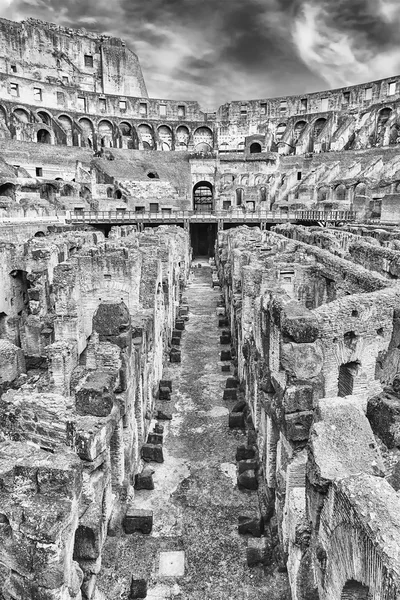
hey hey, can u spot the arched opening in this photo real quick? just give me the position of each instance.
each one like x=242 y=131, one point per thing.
x=165 y=135
x=39 y=234
x=153 y=175
x=67 y=190
x=43 y=136
x=44 y=117
x=298 y=129
x=340 y=193
x=203 y=140
x=347 y=375
x=384 y=116
x=48 y=191
x=182 y=138
x=87 y=132
x=255 y=148
x=354 y=590
x=318 y=127
x=360 y=190
x=239 y=196
x=126 y=129
x=21 y=115
x=203 y=196
x=146 y=134
x=105 y=132
x=109 y=192
x=7 y=189
x=263 y=194
x=322 y=194
x=117 y=194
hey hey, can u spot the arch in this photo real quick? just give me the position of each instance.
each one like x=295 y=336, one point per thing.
x=318 y=127
x=44 y=117
x=298 y=129
x=87 y=131
x=7 y=189
x=22 y=115
x=67 y=190
x=43 y=136
x=182 y=138
x=255 y=148
x=203 y=196
x=117 y=194
x=105 y=133
x=263 y=194
x=244 y=180
x=239 y=196
x=360 y=190
x=340 y=193
x=280 y=131
x=354 y=590
x=125 y=128
x=146 y=134
x=384 y=115
x=165 y=135
x=65 y=122
x=109 y=192
x=203 y=139
x=323 y=193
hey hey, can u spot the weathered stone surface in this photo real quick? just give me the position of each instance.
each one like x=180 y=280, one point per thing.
x=251 y=525
x=230 y=394
x=94 y=394
x=248 y=480
x=245 y=452
x=247 y=465
x=138 y=589
x=138 y=520
x=152 y=452
x=255 y=552
x=164 y=416
x=225 y=355
x=164 y=393
x=236 y=420
x=144 y=480
x=383 y=413
x=155 y=438
x=175 y=355
x=231 y=382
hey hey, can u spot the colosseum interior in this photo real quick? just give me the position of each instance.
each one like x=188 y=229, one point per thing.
x=199 y=335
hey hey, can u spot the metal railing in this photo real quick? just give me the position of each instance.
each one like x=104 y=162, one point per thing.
x=241 y=216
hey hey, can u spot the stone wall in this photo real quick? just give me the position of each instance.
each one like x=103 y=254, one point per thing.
x=315 y=337
x=82 y=348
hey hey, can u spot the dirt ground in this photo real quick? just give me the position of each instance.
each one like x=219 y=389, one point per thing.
x=196 y=502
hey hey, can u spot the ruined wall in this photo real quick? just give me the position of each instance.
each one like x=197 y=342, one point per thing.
x=86 y=326
x=316 y=339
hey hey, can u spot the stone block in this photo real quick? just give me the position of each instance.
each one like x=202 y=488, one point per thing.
x=177 y=333
x=298 y=398
x=225 y=339
x=225 y=355
x=220 y=311
x=158 y=428
x=245 y=452
x=250 y=524
x=175 y=341
x=223 y=323
x=298 y=425
x=179 y=324
x=255 y=552
x=137 y=519
x=249 y=464
x=138 y=589
x=164 y=416
x=225 y=368
x=236 y=420
x=155 y=439
x=383 y=413
x=252 y=438
x=164 y=393
x=230 y=394
x=152 y=452
x=240 y=406
x=247 y=480
x=232 y=382
x=175 y=355
x=165 y=383
x=94 y=394
x=144 y=480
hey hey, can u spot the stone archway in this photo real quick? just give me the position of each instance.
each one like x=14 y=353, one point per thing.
x=203 y=196
x=354 y=590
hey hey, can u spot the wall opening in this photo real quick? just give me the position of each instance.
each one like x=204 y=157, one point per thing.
x=203 y=236
x=353 y=590
x=43 y=136
x=255 y=148
x=347 y=375
x=203 y=196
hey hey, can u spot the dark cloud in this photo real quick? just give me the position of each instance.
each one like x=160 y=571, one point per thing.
x=216 y=50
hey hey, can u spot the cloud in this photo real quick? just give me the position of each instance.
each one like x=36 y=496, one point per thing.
x=349 y=42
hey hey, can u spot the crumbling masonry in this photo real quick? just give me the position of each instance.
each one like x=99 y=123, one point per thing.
x=92 y=332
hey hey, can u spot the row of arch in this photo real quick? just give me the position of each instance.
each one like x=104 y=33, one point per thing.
x=340 y=192
x=110 y=134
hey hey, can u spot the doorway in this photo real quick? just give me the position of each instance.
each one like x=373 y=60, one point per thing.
x=203 y=236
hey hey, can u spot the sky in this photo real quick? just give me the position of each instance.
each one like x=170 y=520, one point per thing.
x=215 y=51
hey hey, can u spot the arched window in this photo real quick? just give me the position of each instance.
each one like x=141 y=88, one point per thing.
x=255 y=148
x=7 y=189
x=165 y=135
x=203 y=140
x=360 y=190
x=65 y=123
x=146 y=133
x=384 y=116
x=44 y=117
x=43 y=136
x=87 y=132
x=203 y=196
x=340 y=193
x=318 y=127
x=263 y=194
x=298 y=129
x=323 y=194
x=182 y=138
x=105 y=132
x=239 y=196
x=126 y=129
